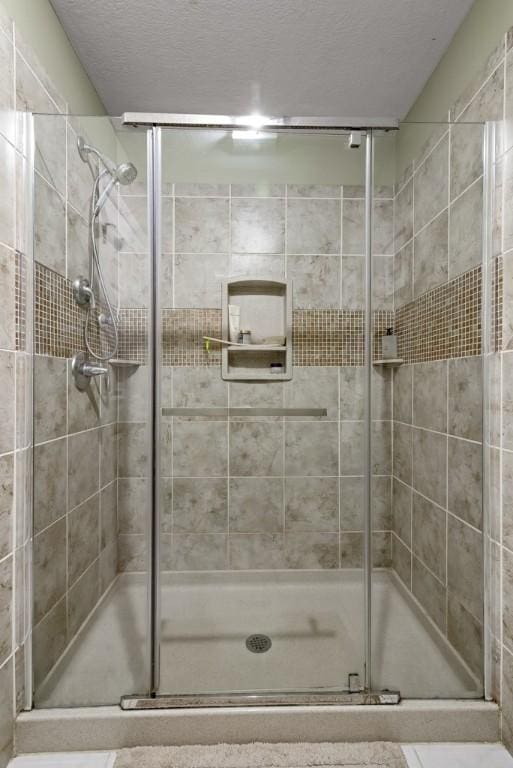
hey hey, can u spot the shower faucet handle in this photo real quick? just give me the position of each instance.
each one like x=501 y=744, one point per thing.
x=83 y=293
x=83 y=370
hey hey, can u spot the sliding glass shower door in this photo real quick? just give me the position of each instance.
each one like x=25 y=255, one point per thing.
x=261 y=323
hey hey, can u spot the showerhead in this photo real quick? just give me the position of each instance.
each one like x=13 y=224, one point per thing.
x=125 y=173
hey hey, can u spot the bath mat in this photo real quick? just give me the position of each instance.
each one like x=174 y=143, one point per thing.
x=373 y=754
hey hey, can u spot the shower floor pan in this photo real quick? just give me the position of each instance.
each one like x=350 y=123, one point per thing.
x=313 y=620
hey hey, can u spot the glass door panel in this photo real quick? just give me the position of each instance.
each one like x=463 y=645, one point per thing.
x=262 y=469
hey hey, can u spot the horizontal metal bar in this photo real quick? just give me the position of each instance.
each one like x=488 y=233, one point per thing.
x=244 y=411
x=177 y=120
x=261 y=699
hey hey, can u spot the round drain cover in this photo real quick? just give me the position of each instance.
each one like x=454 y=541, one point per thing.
x=258 y=643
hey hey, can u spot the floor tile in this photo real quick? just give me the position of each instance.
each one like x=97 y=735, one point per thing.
x=65 y=760
x=457 y=756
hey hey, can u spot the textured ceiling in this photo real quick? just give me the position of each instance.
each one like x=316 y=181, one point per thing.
x=365 y=58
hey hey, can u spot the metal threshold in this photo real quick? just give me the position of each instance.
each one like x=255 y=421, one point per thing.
x=262 y=699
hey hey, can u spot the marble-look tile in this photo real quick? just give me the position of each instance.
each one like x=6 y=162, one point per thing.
x=200 y=449
x=23 y=491
x=27 y=53
x=49 y=553
x=108 y=566
x=7 y=180
x=352 y=503
x=403 y=393
x=465 y=634
x=199 y=388
x=167 y=225
x=403 y=276
x=507 y=698
x=508 y=103
x=50 y=149
x=49 y=641
x=133 y=224
x=83 y=538
x=133 y=502
x=313 y=226
x=198 y=279
x=166 y=283
x=381 y=549
x=383 y=282
x=402 y=510
x=431 y=185
x=7 y=101
x=200 y=505
x=351 y=447
x=383 y=227
x=77 y=245
x=431 y=256
x=466 y=157
x=351 y=393
x=465 y=481
x=381 y=393
x=108 y=454
x=313 y=190
x=465 y=397
x=132 y=553
x=256 y=505
x=401 y=561
x=507 y=598
x=134 y=280
x=381 y=447
x=429 y=465
x=49 y=397
x=353 y=227
x=465 y=231
x=507 y=400
x=133 y=450
x=312 y=386
x=82 y=598
x=353 y=281
x=199 y=552
x=473 y=84
x=403 y=447
x=202 y=225
x=430 y=395
x=256 y=394
x=255 y=551
x=257 y=189
x=507 y=296
x=6 y=607
x=49 y=227
x=7 y=505
x=7 y=298
x=201 y=189
x=311 y=503
x=311 y=448
x=83 y=466
x=83 y=406
x=7 y=415
x=79 y=177
x=428 y=540
x=403 y=212
x=465 y=565
x=258 y=225
x=50 y=482
x=132 y=393
x=315 y=281
x=270 y=266
x=503 y=471
x=381 y=500
x=256 y=449
x=430 y=593
x=351 y=550
x=311 y=550
x=108 y=515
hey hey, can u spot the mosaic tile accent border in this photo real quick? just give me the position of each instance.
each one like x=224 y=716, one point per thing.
x=442 y=323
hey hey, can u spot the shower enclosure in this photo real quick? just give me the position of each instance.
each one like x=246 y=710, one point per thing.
x=298 y=520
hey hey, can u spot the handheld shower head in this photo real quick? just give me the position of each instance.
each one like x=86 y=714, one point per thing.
x=125 y=173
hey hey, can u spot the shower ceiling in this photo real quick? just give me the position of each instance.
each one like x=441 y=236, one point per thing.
x=277 y=57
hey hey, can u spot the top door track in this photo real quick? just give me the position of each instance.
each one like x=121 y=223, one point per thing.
x=175 y=120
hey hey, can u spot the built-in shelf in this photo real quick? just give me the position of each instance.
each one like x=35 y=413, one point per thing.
x=126 y=363
x=266 y=311
x=391 y=361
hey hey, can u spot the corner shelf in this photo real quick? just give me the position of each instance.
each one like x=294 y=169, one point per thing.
x=265 y=309
x=393 y=361
x=124 y=363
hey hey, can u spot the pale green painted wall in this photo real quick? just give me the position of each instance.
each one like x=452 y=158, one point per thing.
x=42 y=31
x=478 y=35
